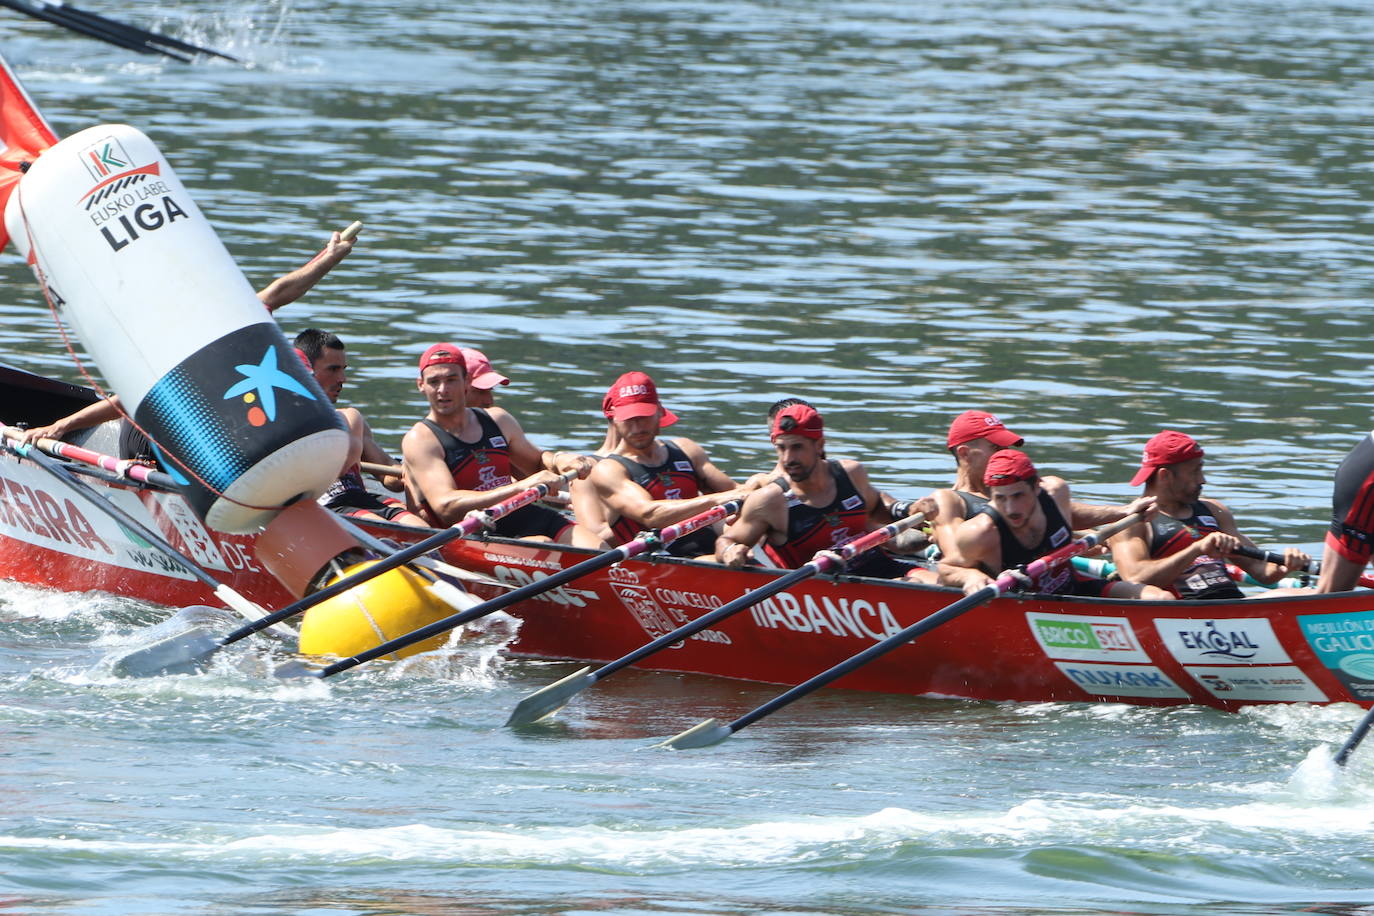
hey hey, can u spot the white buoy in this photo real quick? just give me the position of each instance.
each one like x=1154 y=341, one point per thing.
x=175 y=327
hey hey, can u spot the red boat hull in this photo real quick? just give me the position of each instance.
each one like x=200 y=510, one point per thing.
x=1222 y=654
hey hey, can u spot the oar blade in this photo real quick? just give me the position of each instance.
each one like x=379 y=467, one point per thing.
x=703 y=734
x=298 y=668
x=181 y=653
x=548 y=700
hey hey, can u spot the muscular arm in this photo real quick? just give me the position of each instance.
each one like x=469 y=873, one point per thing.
x=764 y=513
x=85 y=418
x=526 y=456
x=977 y=548
x=375 y=454
x=626 y=498
x=713 y=479
x=290 y=287
x=428 y=478
x=950 y=509
x=357 y=430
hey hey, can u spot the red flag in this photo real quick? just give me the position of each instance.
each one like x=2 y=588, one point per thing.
x=23 y=135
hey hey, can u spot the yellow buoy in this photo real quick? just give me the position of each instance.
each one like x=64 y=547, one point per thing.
x=393 y=604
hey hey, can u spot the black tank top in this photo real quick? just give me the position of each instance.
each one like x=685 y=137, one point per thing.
x=812 y=528
x=1014 y=553
x=480 y=465
x=972 y=502
x=674 y=478
x=1207 y=576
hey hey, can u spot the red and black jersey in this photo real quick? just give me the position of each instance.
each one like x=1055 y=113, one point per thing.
x=480 y=465
x=812 y=528
x=1206 y=577
x=675 y=478
x=1352 y=505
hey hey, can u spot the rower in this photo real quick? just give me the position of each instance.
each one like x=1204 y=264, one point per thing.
x=132 y=443
x=349 y=496
x=482 y=378
x=974 y=437
x=831 y=501
x=1350 y=540
x=647 y=482
x=1025 y=518
x=460 y=458
x=1186 y=545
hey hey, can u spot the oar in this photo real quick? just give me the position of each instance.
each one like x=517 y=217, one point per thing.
x=1355 y=738
x=548 y=700
x=189 y=652
x=112 y=31
x=129 y=469
x=644 y=541
x=710 y=731
x=223 y=592
x=386 y=470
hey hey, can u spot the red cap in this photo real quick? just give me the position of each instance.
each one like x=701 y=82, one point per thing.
x=440 y=354
x=1165 y=448
x=635 y=395
x=1007 y=467
x=797 y=420
x=974 y=424
x=480 y=373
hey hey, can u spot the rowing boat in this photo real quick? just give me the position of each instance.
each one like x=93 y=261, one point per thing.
x=1223 y=654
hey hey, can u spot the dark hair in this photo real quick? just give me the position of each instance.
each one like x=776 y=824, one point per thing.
x=783 y=405
x=312 y=342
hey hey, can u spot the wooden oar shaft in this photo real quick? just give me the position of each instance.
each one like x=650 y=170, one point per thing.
x=386 y=470
x=645 y=541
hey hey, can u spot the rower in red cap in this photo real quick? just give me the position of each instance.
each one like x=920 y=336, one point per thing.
x=831 y=501
x=973 y=438
x=647 y=482
x=460 y=458
x=482 y=378
x=1025 y=518
x=1185 y=547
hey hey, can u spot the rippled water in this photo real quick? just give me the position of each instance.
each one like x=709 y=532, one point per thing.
x=1095 y=219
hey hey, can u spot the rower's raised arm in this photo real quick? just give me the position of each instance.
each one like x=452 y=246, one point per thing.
x=291 y=286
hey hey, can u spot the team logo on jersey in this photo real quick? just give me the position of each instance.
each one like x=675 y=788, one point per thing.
x=260 y=383
x=682 y=465
x=498 y=441
x=852 y=502
x=480 y=456
x=1059 y=537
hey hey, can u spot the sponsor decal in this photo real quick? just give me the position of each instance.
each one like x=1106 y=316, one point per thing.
x=195 y=539
x=837 y=617
x=1059 y=538
x=1121 y=680
x=1102 y=639
x=1276 y=684
x=259 y=384
x=853 y=502
x=105 y=157
x=636 y=598
x=1241 y=641
x=498 y=441
x=683 y=466
x=36 y=510
x=1345 y=644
